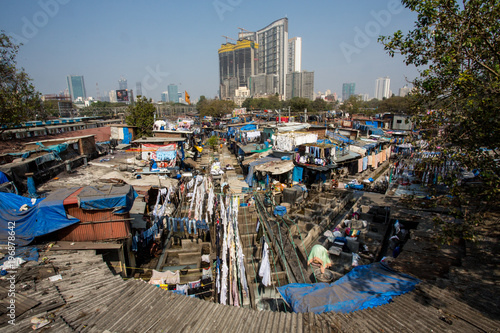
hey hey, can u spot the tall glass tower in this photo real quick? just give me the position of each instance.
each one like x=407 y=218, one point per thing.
x=173 y=93
x=76 y=87
x=348 y=90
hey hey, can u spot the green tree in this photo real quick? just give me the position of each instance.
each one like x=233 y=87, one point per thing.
x=298 y=104
x=202 y=104
x=142 y=116
x=19 y=101
x=395 y=104
x=353 y=104
x=216 y=108
x=457 y=46
x=320 y=104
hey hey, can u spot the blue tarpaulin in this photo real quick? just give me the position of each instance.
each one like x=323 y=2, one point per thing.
x=119 y=198
x=342 y=138
x=364 y=287
x=3 y=178
x=249 y=127
x=27 y=253
x=43 y=216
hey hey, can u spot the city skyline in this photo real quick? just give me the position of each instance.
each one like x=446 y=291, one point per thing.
x=59 y=40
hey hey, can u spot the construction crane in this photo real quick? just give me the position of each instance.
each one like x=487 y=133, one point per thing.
x=226 y=37
x=245 y=30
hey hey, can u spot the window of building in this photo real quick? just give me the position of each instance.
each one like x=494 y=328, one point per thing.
x=399 y=121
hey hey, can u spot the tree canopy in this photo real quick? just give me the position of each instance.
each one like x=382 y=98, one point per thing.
x=214 y=107
x=142 y=116
x=19 y=101
x=456 y=45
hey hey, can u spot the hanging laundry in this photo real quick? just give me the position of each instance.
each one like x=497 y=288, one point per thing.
x=265 y=267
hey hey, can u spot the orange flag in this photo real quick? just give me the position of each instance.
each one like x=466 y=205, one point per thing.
x=186 y=95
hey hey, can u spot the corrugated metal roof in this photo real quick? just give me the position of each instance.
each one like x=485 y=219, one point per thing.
x=95 y=300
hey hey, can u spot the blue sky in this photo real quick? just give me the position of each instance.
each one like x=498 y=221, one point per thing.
x=163 y=42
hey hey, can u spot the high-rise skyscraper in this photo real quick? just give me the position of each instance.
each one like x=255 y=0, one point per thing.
x=237 y=62
x=76 y=87
x=138 y=88
x=382 y=88
x=173 y=93
x=122 y=83
x=300 y=84
x=295 y=54
x=348 y=89
x=269 y=57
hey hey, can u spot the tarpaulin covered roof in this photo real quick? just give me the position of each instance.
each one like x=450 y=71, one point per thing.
x=43 y=216
x=249 y=127
x=364 y=287
x=252 y=165
x=119 y=197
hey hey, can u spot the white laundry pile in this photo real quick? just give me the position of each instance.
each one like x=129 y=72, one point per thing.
x=251 y=135
x=288 y=141
x=216 y=169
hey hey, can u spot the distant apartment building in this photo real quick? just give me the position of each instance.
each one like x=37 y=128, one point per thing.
x=112 y=96
x=173 y=93
x=259 y=61
x=240 y=95
x=122 y=83
x=164 y=96
x=382 y=88
x=348 y=89
x=138 y=88
x=76 y=87
x=263 y=85
x=295 y=54
x=300 y=84
x=237 y=62
x=404 y=91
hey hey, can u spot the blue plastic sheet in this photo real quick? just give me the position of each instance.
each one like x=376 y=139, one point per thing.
x=249 y=127
x=297 y=174
x=364 y=287
x=118 y=198
x=3 y=178
x=43 y=216
x=27 y=253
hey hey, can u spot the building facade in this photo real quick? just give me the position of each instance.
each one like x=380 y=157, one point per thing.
x=404 y=91
x=237 y=62
x=300 y=84
x=348 y=89
x=173 y=93
x=122 y=83
x=164 y=96
x=263 y=85
x=382 y=88
x=138 y=88
x=255 y=55
x=294 y=54
x=76 y=87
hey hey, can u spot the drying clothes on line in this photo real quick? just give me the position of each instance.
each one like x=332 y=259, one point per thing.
x=167 y=277
x=206 y=273
x=182 y=288
x=202 y=225
x=252 y=135
x=195 y=284
x=288 y=141
x=265 y=267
